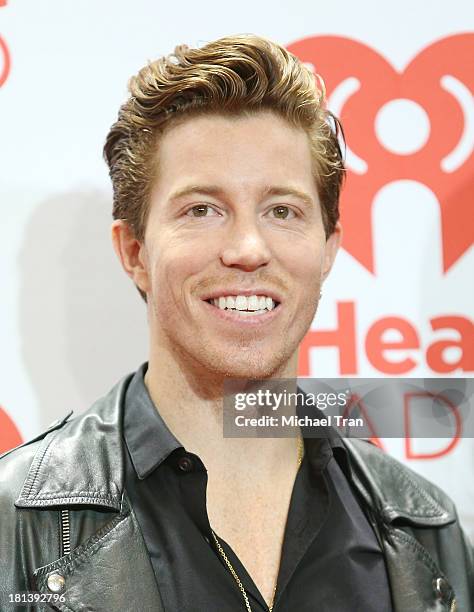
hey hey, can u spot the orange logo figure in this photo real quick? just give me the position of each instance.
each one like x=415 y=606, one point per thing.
x=9 y=434
x=4 y=55
x=437 y=83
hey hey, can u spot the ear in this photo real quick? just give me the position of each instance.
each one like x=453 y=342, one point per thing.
x=330 y=250
x=131 y=253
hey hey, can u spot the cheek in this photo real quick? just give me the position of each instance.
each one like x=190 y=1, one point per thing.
x=173 y=271
x=304 y=261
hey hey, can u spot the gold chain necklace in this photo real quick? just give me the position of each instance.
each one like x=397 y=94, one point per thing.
x=229 y=564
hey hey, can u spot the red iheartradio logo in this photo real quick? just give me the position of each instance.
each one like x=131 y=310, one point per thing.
x=439 y=82
x=9 y=434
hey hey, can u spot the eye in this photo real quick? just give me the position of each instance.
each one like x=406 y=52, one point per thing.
x=282 y=212
x=200 y=210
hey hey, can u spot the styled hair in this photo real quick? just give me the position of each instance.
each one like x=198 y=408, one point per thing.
x=232 y=76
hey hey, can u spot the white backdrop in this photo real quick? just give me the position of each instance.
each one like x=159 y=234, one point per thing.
x=71 y=322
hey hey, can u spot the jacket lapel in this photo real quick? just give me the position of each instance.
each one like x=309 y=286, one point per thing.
x=81 y=465
x=91 y=442
x=400 y=504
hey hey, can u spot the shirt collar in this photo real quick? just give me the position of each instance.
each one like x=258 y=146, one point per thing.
x=326 y=444
x=150 y=442
x=148 y=439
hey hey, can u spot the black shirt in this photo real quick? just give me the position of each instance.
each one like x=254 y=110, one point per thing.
x=331 y=560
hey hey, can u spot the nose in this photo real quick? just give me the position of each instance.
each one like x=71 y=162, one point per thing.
x=244 y=246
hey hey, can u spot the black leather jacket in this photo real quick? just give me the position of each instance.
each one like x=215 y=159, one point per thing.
x=66 y=524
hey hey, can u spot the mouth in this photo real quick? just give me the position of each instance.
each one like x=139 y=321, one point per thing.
x=247 y=310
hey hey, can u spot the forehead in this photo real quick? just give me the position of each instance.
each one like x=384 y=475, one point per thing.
x=262 y=148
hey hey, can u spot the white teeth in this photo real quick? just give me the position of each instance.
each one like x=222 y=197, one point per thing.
x=254 y=303
x=241 y=302
x=248 y=313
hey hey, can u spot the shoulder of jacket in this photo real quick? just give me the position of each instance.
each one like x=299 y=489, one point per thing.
x=397 y=490
x=76 y=461
x=16 y=462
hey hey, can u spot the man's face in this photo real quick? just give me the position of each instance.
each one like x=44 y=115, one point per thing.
x=248 y=222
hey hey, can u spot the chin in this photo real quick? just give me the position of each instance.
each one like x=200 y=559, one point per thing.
x=257 y=367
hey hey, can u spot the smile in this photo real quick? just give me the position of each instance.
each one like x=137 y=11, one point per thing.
x=252 y=304
x=247 y=310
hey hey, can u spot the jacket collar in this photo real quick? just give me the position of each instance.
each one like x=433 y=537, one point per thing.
x=394 y=491
x=82 y=463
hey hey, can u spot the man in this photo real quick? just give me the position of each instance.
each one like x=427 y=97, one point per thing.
x=226 y=171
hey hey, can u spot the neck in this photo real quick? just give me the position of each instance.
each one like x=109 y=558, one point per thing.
x=190 y=401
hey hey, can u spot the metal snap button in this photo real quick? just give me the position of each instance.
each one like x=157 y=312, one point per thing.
x=56 y=583
x=441 y=588
x=185 y=464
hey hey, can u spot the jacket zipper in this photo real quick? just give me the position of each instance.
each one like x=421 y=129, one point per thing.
x=65 y=532
x=453 y=607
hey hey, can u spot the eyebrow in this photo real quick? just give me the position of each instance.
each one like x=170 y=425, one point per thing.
x=215 y=190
